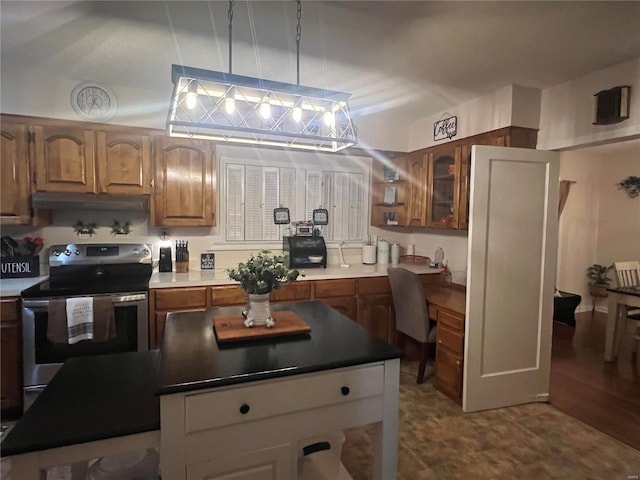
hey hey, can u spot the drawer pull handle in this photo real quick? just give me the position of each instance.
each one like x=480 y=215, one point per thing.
x=345 y=391
x=244 y=408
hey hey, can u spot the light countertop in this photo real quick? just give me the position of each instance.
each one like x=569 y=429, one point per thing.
x=11 y=287
x=197 y=278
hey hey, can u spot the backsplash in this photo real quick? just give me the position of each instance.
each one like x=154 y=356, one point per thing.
x=62 y=231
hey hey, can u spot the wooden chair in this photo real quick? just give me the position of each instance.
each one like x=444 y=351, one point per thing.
x=628 y=275
x=412 y=313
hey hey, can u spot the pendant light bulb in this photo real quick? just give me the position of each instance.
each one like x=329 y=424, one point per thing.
x=229 y=104
x=296 y=114
x=265 y=108
x=191 y=100
x=329 y=119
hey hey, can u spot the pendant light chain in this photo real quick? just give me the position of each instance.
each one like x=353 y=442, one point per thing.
x=230 y=15
x=298 y=35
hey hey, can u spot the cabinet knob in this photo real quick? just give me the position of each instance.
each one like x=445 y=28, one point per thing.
x=244 y=408
x=345 y=390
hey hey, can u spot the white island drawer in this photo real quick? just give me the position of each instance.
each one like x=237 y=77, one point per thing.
x=218 y=407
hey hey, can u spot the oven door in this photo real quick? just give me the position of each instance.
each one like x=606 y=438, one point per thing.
x=42 y=358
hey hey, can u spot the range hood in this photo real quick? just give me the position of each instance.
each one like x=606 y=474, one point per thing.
x=88 y=201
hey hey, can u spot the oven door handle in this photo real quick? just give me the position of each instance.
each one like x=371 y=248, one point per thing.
x=33 y=303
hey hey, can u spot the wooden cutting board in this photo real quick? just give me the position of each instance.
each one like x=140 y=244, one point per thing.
x=230 y=328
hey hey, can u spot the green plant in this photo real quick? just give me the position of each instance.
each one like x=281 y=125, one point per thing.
x=598 y=274
x=263 y=273
x=631 y=185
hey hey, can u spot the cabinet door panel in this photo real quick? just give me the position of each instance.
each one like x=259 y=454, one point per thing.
x=374 y=285
x=185 y=182
x=417 y=186
x=228 y=295
x=348 y=306
x=14 y=175
x=375 y=314
x=444 y=187
x=181 y=298
x=10 y=358
x=124 y=163
x=448 y=377
x=291 y=292
x=334 y=288
x=65 y=159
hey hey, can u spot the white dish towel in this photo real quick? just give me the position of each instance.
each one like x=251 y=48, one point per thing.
x=80 y=319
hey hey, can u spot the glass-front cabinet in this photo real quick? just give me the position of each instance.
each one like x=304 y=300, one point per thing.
x=443 y=191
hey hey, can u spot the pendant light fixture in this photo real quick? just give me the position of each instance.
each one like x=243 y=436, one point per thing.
x=232 y=108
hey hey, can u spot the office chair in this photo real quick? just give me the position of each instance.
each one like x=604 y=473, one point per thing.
x=412 y=313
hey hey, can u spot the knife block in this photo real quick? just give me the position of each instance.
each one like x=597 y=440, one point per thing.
x=182 y=267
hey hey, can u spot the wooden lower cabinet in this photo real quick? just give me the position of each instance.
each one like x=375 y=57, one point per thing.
x=165 y=300
x=375 y=313
x=449 y=353
x=367 y=301
x=10 y=358
x=339 y=294
x=375 y=307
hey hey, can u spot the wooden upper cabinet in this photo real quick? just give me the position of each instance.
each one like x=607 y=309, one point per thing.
x=185 y=182
x=443 y=186
x=64 y=159
x=417 y=188
x=14 y=174
x=124 y=163
x=504 y=137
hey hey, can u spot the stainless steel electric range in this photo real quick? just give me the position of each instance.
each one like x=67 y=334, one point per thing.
x=120 y=272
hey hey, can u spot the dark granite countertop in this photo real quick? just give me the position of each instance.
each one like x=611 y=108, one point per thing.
x=91 y=398
x=191 y=358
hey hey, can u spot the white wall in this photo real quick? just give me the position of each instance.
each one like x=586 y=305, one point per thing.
x=512 y=105
x=567 y=110
x=600 y=224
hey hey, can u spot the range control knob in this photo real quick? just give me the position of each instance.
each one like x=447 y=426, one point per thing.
x=76 y=252
x=56 y=253
x=67 y=252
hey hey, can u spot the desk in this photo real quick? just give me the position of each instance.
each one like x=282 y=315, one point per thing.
x=241 y=410
x=616 y=317
x=447 y=307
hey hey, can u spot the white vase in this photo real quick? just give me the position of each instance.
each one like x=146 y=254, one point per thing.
x=259 y=311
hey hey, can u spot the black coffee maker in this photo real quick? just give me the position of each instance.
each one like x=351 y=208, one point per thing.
x=165 y=264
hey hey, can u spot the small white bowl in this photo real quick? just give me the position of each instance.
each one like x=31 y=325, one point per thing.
x=315 y=258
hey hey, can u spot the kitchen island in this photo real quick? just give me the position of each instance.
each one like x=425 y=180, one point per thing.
x=244 y=410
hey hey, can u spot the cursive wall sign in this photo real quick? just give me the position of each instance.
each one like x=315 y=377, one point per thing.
x=445 y=128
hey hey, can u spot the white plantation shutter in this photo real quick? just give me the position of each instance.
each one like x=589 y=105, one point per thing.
x=313 y=195
x=235 y=202
x=341 y=210
x=329 y=204
x=356 y=207
x=270 y=200
x=255 y=186
x=253 y=203
x=287 y=197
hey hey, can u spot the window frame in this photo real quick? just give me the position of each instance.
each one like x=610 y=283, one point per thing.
x=301 y=162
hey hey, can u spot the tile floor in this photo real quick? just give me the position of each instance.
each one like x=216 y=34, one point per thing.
x=438 y=441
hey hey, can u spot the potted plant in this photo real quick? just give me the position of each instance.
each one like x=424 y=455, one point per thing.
x=259 y=276
x=598 y=274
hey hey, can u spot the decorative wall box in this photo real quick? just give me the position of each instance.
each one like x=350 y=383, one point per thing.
x=20 y=267
x=612 y=106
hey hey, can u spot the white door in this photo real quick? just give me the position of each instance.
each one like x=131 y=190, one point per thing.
x=510 y=278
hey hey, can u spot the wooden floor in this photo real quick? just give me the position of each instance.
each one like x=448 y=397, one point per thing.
x=603 y=395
